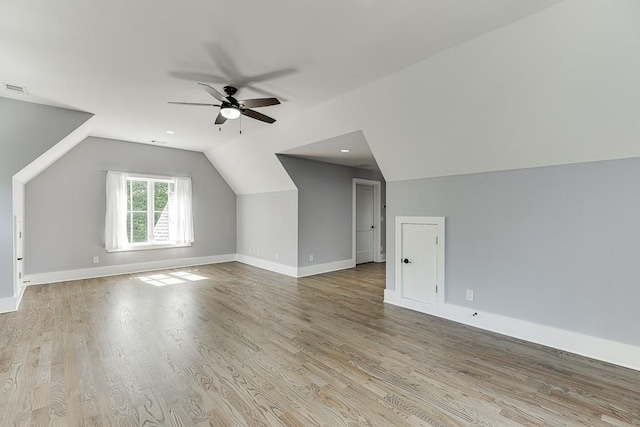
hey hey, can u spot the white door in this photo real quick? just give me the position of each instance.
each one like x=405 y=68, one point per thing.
x=364 y=223
x=419 y=262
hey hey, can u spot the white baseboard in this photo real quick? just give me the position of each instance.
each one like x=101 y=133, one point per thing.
x=10 y=304
x=326 y=268
x=87 y=273
x=288 y=270
x=276 y=267
x=585 y=345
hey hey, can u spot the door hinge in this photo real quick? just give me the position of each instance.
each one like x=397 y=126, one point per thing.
x=436 y=240
x=20 y=234
x=436 y=289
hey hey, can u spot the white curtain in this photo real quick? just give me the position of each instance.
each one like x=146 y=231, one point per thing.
x=115 y=222
x=181 y=223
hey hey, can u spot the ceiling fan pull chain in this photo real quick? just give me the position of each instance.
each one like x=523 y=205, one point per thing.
x=240 y=124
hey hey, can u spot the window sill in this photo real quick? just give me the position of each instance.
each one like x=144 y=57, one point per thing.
x=149 y=247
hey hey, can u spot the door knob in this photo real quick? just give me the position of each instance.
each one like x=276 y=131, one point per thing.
x=406 y=261
x=19 y=259
x=373 y=226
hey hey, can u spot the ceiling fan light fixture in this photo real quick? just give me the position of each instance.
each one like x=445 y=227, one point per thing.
x=230 y=112
x=345 y=150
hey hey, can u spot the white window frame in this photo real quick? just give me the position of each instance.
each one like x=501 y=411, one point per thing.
x=150 y=211
x=150 y=207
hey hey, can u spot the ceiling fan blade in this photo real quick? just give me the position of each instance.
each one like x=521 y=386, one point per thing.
x=272 y=75
x=265 y=93
x=194 y=103
x=220 y=119
x=260 y=102
x=258 y=116
x=199 y=77
x=226 y=64
x=217 y=95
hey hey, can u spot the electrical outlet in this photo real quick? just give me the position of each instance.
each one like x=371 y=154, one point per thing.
x=277 y=255
x=96 y=260
x=258 y=252
x=311 y=258
x=249 y=251
x=469 y=295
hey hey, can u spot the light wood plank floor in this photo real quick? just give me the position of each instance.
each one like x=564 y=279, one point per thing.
x=246 y=347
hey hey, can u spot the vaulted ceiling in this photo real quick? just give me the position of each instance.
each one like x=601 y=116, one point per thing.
x=123 y=60
x=434 y=87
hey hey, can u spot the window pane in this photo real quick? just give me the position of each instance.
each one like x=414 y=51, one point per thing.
x=160 y=214
x=139 y=195
x=160 y=194
x=139 y=227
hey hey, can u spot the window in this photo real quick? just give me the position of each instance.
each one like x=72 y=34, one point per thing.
x=145 y=212
x=149 y=208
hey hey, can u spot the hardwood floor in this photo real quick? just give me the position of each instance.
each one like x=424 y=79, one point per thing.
x=238 y=346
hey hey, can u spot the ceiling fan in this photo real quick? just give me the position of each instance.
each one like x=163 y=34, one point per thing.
x=232 y=108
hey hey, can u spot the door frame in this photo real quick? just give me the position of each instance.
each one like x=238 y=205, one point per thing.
x=18 y=213
x=439 y=221
x=377 y=185
x=18 y=254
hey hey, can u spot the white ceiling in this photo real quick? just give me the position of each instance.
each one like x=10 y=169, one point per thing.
x=329 y=151
x=123 y=60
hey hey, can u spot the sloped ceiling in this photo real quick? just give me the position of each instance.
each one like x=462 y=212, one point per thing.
x=557 y=87
x=359 y=154
x=123 y=60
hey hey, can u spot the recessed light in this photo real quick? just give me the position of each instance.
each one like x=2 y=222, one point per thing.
x=170 y=132
x=345 y=150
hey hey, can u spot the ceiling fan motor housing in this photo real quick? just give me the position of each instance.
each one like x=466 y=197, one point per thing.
x=230 y=90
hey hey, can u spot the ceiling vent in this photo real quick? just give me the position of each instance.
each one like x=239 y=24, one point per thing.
x=18 y=90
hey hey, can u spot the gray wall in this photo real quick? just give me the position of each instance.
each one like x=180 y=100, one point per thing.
x=325 y=208
x=26 y=131
x=557 y=245
x=268 y=225
x=65 y=206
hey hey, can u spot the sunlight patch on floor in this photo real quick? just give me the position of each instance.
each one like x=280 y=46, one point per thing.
x=171 y=279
